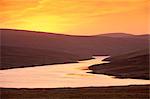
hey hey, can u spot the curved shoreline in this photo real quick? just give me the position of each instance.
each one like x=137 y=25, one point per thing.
x=136 y=67
x=38 y=65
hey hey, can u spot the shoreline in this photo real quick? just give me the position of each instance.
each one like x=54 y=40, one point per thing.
x=132 y=65
x=104 y=69
x=119 y=76
x=39 y=65
x=111 y=92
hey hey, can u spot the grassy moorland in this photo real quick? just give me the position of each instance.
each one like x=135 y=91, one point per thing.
x=19 y=57
x=22 y=48
x=130 y=65
x=120 y=92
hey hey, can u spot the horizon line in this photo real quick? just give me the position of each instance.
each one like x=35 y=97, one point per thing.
x=73 y=34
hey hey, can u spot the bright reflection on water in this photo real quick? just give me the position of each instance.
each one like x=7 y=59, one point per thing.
x=61 y=75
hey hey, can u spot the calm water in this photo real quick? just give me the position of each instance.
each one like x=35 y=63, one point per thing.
x=62 y=75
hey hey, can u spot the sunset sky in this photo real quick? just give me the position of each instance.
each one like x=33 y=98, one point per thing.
x=76 y=17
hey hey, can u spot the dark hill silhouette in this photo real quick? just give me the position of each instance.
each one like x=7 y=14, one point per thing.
x=117 y=35
x=111 y=92
x=129 y=65
x=12 y=57
x=126 y=35
x=81 y=46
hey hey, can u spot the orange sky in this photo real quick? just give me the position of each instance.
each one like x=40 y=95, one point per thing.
x=76 y=17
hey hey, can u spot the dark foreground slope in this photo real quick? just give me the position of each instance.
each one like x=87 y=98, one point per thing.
x=131 y=65
x=124 y=92
x=28 y=48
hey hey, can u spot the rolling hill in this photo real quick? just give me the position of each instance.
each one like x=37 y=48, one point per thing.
x=117 y=35
x=129 y=65
x=26 y=43
x=13 y=57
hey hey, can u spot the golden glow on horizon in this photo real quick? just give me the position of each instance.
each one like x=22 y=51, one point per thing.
x=80 y=17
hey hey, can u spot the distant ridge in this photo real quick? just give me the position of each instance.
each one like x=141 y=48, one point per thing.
x=117 y=35
x=104 y=34
x=49 y=33
x=92 y=45
x=32 y=31
x=77 y=47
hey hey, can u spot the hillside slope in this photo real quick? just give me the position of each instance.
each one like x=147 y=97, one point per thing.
x=39 y=46
x=131 y=65
x=13 y=57
x=81 y=45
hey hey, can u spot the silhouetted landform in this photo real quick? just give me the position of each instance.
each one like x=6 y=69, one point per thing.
x=120 y=92
x=126 y=35
x=130 y=65
x=118 y=35
x=30 y=48
x=13 y=57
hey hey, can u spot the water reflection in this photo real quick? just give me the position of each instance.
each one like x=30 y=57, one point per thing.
x=61 y=75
